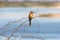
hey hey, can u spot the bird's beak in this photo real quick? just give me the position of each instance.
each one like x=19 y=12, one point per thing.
x=33 y=12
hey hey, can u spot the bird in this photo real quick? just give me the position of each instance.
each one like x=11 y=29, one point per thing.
x=30 y=17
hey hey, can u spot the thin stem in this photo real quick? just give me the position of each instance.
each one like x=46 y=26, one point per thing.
x=15 y=30
x=9 y=23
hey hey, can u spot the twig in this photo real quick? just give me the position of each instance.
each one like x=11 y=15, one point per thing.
x=5 y=27
x=15 y=30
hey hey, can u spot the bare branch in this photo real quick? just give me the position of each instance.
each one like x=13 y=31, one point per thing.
x=9 y=23
x=15 y=30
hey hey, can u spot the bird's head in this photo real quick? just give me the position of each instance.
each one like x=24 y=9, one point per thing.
x=32 y=12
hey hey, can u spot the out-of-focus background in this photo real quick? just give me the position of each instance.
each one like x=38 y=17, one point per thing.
x=28 y=3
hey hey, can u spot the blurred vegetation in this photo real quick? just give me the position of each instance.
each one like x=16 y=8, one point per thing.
x=27 y=4
x=46 y=15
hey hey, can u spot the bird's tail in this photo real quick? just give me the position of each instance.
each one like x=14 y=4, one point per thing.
x=29 y=22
